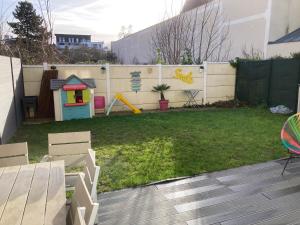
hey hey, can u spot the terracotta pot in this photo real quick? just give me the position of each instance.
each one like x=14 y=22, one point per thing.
x=164 y=105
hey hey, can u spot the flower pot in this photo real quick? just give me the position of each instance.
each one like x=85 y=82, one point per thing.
x=164 y=105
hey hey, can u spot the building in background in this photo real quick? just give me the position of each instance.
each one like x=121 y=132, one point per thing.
x=76 y=40
x=8 y=39
x=252 y=25
x=192 y=4
x=285 y=46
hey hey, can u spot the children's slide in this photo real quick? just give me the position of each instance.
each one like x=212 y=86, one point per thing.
x=121 y=98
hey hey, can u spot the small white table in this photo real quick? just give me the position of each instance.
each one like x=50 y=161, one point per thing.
x=33 y=194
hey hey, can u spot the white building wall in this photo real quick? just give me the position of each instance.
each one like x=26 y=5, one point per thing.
x=285 y=18
x=283 y=49
x=294 y=15
x=136 y=48
x=253 y=23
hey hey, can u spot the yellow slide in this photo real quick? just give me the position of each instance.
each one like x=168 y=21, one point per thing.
x=121 y=98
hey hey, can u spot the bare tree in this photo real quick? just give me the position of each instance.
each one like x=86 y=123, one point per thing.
x=171 y=38
x=46 y=13
x=252 y=53
x=204 y=32
x=125 y=31
x=4 y=29
x=50 y=53
x=209 y=38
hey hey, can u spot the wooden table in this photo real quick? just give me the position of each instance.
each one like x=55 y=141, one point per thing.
x=33 y=194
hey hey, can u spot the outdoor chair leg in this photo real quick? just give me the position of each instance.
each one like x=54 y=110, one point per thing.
x=286 y=163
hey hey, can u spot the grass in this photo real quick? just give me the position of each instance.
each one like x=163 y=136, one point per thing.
x=135 y=150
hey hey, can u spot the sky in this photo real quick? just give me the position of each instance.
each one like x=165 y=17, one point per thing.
x=102 y=19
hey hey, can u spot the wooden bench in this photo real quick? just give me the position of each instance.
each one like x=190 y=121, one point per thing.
x=71 y=147
x=82 y=205
x=13 y=154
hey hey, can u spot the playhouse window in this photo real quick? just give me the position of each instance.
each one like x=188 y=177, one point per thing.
x=78 y=96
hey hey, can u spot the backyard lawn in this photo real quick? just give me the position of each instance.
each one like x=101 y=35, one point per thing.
x=135 y=150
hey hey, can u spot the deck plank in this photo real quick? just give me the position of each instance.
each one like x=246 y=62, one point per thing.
x=34 y=213
x=56 y=199
x=247 y=195
x=193 y=191
x=15 y=206
x=7 y=181
x=1 y=171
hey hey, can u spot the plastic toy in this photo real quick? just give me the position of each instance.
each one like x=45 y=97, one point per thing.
x=121 y=98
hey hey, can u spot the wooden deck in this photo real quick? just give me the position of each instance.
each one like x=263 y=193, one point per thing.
x=33 y=194
x=255 y=194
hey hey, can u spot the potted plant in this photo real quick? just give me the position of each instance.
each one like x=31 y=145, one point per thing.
x=163 y=103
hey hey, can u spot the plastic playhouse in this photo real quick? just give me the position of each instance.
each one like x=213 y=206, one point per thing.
x=73 y=98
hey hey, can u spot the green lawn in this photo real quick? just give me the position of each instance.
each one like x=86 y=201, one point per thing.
x=139 y=149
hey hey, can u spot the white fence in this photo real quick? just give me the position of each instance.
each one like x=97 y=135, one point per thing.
x=216 y=81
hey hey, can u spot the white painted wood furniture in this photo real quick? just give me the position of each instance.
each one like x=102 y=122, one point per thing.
x=81 y=199
x=298 y=107
x=13 y=154
x=71 y=147
x=91 y=174
x=33 y=194
x=79 y=216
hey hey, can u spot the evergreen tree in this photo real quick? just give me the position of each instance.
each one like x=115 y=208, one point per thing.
x=32 y=36
x=186 y=58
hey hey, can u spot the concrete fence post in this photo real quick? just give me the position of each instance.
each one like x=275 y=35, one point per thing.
x=205 y=65
x=108 y=93
x=159 y=73
x=45 y=66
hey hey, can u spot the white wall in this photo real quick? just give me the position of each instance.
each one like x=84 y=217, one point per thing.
x=247 y=29
x=9 y=111
x=283 y=49
x=253 y=23
x=285 y=18
x=6 y=91
x=136 y=46
x=220 y=82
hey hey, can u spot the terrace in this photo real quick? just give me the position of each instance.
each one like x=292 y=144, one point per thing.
x=246 y=195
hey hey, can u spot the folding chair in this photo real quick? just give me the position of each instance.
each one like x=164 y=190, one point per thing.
x=191 y=94
x=290 y=137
